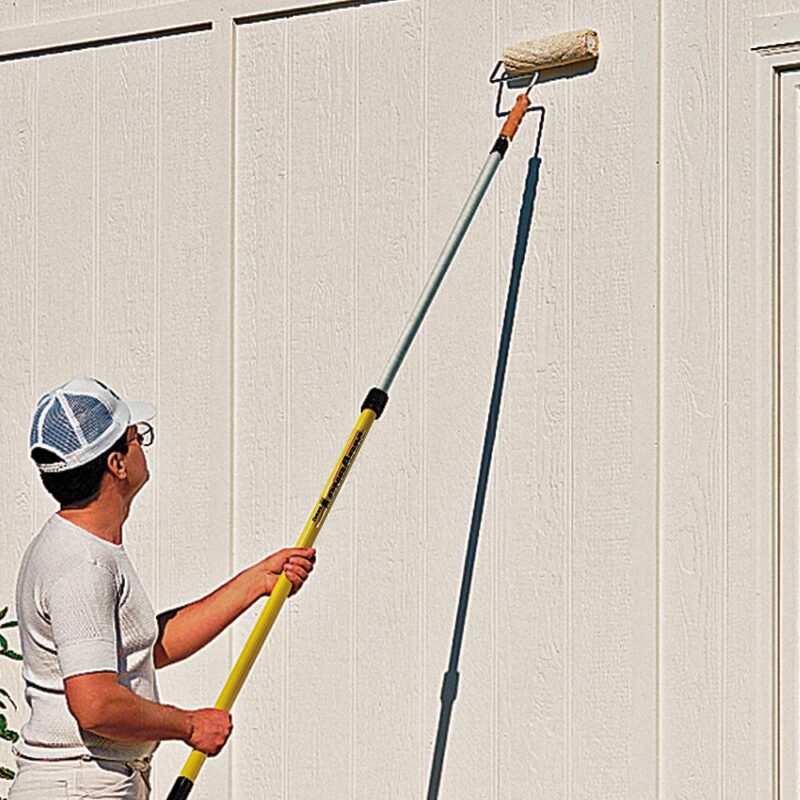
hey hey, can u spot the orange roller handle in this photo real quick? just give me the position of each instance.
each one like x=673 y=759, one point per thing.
x=515 y=116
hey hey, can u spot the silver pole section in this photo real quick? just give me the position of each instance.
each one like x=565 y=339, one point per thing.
x=436 y=277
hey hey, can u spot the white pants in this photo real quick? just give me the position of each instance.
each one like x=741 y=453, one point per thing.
x=80 y=778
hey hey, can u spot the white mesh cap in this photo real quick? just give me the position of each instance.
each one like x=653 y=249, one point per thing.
x=80 y=420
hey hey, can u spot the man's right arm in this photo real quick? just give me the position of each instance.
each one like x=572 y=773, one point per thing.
x=103 y=706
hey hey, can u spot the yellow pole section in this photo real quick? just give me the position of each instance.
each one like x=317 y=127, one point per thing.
x=269 y=614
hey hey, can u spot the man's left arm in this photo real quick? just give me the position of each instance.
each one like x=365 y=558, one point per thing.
x=183 y=631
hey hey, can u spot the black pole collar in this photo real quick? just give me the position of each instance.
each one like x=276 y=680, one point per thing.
x=376 y=400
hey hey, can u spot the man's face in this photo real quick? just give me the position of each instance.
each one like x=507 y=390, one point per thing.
x=136 y=462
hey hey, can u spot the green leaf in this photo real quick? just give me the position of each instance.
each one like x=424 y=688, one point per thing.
x=3 y=612
x=11 y=654
x=7 y=774
x=8 y=697
x=9 y=736
x=3 y=643
x=11 y=624
x=2 y=723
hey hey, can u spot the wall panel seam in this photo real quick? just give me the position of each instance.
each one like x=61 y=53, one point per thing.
x=659 y=383
x=724 y=345
x=570 y=445
x=96 y=210
x=35 y=276
x=423 y=383
x=354 y=392
x=162 y=20
x=157 y=139
x=776 y=435
x=301 y=8
x=60 y=42
x=493 y=546
x=287 y=389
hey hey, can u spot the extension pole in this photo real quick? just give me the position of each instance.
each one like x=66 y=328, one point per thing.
x=371 y=409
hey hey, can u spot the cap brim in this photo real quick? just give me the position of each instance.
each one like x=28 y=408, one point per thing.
x=141 y=411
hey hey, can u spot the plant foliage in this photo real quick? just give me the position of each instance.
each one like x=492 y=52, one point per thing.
x=7 y=733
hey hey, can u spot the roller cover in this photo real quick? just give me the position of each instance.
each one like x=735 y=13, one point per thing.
x=551 y=51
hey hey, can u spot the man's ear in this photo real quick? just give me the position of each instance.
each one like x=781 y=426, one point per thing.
x=116 y=465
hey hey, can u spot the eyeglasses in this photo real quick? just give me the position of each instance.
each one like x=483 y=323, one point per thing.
x=144 y=434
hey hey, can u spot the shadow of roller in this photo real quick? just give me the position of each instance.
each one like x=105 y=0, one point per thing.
x=451 y=677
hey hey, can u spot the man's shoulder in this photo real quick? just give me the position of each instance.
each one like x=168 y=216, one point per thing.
x=59 y=548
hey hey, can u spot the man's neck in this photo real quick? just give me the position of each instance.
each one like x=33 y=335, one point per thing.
x=104 y=518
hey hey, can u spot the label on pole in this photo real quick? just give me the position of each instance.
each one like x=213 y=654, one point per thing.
x=337 y=477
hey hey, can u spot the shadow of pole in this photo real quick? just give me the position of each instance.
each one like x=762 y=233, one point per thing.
x=450 y=682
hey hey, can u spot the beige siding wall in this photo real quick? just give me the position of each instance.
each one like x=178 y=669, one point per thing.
x=33 y=12
x=235 y=223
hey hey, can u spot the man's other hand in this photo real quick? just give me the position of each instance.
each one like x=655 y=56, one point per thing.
x=296 y=562
x=211 y=728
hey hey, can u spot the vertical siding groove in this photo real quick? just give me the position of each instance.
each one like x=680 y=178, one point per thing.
x=35 y=223
x=423 y=345
x=570 y=470
x=230 y=37
x=157 y=304
x=423 y=413
x=659 y=385
x=95 y=209
x=494 y=566
x=287 y=393
x=725 y=284
x=776 y=439
x=354 y=393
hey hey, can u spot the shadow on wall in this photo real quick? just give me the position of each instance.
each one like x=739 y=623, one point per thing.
x=568 y=71
x=450 y=683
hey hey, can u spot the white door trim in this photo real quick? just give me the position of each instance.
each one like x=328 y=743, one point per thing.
x=777 y=47
x=789 y=519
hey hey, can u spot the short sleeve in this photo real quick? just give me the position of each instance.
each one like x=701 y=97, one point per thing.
x=82 y=607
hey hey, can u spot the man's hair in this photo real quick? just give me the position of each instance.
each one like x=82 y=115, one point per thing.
x=79 y=486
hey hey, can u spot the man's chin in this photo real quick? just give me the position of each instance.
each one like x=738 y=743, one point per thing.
x=141 y=485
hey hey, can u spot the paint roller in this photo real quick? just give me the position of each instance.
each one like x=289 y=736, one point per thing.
x=548 y=52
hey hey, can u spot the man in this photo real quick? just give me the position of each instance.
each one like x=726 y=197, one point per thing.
x=90 y=640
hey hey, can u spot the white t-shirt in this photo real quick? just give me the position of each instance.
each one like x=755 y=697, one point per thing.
x=81 y=608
